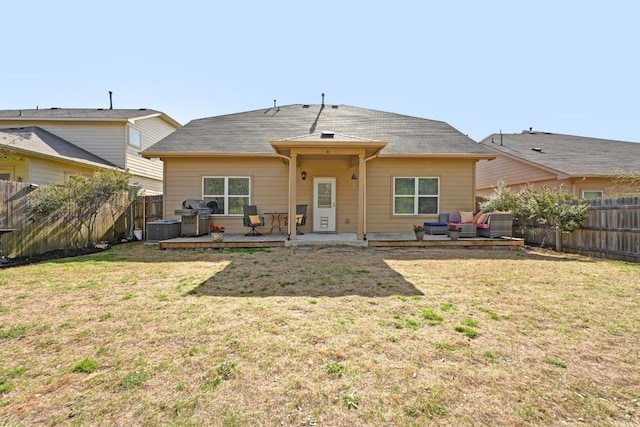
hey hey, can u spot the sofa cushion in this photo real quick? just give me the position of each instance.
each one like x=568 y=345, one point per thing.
x=475 y=217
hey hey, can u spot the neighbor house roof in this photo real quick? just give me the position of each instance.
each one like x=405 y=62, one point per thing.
x=37 y=141
x=84 y=114
x=251 y=132
x=568 y=154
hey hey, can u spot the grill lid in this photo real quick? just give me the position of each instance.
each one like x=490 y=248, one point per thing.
x=194 y=204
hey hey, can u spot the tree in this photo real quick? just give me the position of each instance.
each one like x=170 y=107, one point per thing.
x=552 y=209
x=81 y=199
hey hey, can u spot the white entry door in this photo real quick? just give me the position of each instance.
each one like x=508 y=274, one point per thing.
x=324 y=204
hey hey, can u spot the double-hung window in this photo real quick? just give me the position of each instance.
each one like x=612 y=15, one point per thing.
x=230 y=193
x=415 y=195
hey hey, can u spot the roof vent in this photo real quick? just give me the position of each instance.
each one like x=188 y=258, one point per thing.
x=305 y=106
x=327 y=134
x=538 y=149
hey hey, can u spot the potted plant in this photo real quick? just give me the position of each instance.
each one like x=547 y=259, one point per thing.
x=419 y=231
x=217 y=232
x=454 y=232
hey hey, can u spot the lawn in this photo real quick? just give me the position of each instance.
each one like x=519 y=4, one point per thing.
x=320 y=337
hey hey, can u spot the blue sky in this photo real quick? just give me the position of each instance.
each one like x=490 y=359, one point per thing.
x=482 y=66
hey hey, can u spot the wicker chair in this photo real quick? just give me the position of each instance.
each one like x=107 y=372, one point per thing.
x=500 y=224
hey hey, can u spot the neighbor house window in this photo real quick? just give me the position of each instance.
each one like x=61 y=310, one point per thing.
x=591 y=194
x=134 y=137
x=416 y=196
x=229 y=192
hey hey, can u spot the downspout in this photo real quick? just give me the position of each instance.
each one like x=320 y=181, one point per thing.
x=365 y=190
x=573 y=184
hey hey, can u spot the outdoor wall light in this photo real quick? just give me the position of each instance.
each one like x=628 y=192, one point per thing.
x=303 y=175
x=354 y=176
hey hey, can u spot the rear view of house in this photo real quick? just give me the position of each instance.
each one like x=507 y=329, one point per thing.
x=357 y=170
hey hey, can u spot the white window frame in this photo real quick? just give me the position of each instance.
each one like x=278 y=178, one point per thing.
x=226 y=195
x=138 y=136
x=592 y=191
x=416 y=196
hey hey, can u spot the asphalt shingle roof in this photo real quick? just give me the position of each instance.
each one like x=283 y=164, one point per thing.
x=38 y=140
x=77 y=113
x=571 y=155
x=252 y=131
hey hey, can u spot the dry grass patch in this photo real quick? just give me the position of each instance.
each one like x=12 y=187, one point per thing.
x=336 y=336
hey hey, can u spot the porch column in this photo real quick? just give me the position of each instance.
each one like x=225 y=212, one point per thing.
x=291 y=215
x=362 y=187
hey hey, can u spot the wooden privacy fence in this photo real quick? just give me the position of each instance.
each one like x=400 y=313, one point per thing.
x=612 y=230
x=32 y=235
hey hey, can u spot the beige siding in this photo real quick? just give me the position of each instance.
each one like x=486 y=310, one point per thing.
x=102 y=139
x=269 y=184
x=151 y=130
x=456 y=190
x=150 y=187
x=43 y=172
x=17 y=169
x=270 y=187
x=346 y=191
x=512 y=172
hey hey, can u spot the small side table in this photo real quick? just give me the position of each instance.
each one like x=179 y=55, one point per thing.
x=276 y=223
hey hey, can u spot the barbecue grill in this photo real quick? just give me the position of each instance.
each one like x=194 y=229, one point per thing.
x=195 y=217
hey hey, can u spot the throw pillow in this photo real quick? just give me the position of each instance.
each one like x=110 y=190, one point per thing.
x=454 y=217
x=475 y=217
x=466 y=216
x=254 y=219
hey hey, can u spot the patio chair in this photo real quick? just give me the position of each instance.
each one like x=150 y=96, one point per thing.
x=301 y=218
x=252 y=219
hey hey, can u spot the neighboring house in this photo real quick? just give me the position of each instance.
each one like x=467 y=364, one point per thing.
x=34 y=155
x=357 y=170
x=115 y=135
x=585 y=166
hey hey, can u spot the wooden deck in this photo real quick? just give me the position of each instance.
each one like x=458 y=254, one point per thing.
x=205 y=242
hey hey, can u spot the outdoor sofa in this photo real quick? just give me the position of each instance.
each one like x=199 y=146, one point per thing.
x=490 y=224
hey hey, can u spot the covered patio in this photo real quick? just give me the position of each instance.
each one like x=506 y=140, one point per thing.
x=405 y=239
